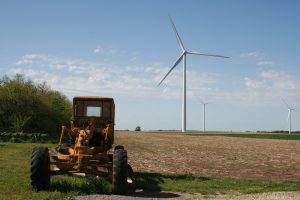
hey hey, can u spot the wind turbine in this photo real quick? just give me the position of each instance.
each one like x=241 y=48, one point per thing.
x=204 y=105
x=183 y=57
x=290 y=109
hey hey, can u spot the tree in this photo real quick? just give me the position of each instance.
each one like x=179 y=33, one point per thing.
x=138 y=128
x=18 y=122
x=30 y=107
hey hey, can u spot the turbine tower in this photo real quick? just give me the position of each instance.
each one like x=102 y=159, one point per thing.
x=204 y=104
x=290 y=109
x=183 y=57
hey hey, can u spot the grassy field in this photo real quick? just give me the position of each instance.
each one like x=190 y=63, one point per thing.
x=210 y=185
x=15 y=181
x=155 y=157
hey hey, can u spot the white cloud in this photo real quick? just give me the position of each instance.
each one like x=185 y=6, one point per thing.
x=265 y=63
x=68 y=75
x=253 y=55
x=113 y=51
x=99 y=49
x=73 y=76
x=28 y=72
x=281 y=80
x=116 y=53
x=271 y=85
x=24 y=61
x=133 y=59
x=255 y=84
x=28 y=59
x=86 y=76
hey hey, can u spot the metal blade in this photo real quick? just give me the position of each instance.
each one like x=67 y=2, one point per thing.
x=205 y=54
x=177 y=35
x=203 y=101
x=287 y=105
x=176 y=63
x=200 y=99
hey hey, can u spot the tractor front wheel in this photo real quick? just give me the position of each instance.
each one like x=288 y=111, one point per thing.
x=120 y=170
x=40 y=168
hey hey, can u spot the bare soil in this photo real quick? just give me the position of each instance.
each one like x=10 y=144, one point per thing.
x=266 y=159
x=249 y=158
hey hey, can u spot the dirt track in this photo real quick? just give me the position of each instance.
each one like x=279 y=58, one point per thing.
x=178 y=195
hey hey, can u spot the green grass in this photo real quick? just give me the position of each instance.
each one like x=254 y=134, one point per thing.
x=210 y=185
x=259 y=136
x=15 y=181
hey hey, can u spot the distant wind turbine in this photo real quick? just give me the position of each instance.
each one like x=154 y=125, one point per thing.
x=290 y=109
x=183 y=57
x=204 y=105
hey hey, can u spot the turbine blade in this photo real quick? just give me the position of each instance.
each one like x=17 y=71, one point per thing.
x=287 y=105
x=200 y=99
x=205 y=54
x=177 y=35
x=176 y=63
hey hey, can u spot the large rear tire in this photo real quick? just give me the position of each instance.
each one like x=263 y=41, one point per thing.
x=120 y=170
x=40 y=168
x=130 y=177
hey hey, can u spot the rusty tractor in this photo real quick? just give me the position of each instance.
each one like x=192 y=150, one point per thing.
x=89 y=150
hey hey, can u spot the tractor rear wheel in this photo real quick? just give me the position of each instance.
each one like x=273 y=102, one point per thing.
x=130 y=177
x=120 y=170
x=40 y=168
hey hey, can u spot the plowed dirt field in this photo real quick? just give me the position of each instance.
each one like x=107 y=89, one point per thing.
x=250 y=158
x=246 y=158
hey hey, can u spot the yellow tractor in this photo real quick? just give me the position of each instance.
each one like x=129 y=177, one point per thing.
x=89 y=151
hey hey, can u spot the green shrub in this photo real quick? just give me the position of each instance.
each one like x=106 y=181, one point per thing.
x=30 y=107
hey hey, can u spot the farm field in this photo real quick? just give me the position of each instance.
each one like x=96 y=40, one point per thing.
x=247 y=158
x=176 y=162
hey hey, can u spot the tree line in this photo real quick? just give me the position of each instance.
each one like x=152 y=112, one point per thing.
x=28 y=107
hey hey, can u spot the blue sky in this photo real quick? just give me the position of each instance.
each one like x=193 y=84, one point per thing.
x=123 y=49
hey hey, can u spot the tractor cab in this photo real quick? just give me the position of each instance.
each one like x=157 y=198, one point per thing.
x=95 y=115
x=101 y=109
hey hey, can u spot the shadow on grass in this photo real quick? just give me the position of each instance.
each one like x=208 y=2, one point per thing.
x=80 y=185
x=145 y=184
x=153 y=181
x=150 y=184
